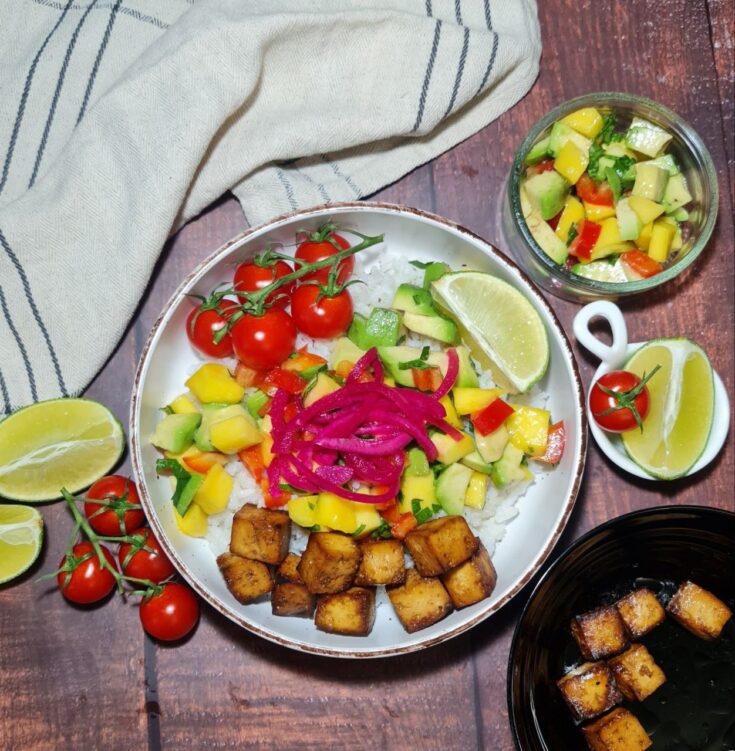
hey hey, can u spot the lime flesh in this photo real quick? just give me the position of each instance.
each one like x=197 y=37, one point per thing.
x=21 y=536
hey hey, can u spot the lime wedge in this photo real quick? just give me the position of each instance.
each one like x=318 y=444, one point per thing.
x=679 y=420
x=21 y=535
x=59 y=443
x=499 y=324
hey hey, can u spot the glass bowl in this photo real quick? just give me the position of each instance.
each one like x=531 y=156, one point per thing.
x=695 y=163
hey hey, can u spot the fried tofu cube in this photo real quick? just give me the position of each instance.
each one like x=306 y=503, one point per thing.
x=589 y=690
x=699 y=611
x=329 y=563
x=641 y=612
x=617 y=731
x=382 y=563
x=288 y=569
x=290 y=598
x=246 y=579
x=351 y=613
x=471 y=581
x=599 y=633
x=441 y=544
x=636 y=673
x=419 y=602
x=260 y=534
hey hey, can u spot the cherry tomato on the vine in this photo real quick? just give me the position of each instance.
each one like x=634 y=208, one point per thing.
x=107 y=522
x=88 y=582
x=262 y=342
x=313 y=251
x=203 y=323
x=150 y=564
x=322 y=319
x=615 y=412
x=171 y=614
x=249 y=277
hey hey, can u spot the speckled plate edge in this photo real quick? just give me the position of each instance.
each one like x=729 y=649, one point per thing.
x=135 y=444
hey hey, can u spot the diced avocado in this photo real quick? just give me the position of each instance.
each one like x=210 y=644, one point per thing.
x=381 y=329
x=681 y=215
x=418 y=464
x=392 y=357
x=417 y=494
x=602 y=271
x=434 y=271
x=451 y=486
x=629 y=223
x=647 y=138
x=436 y=326
x=344 y=350
x=412 y=299
x=475 y=462
x=665 y=161
x=188 y=491
x=187 y=483
x=201 y=438
x=650 y=181
x=560 y=134
x=175 y=432
x=547 y=193
x=255 y=402
x=509 y=468
x=491 y=446
x=323 y=385
x=539 y=151
x=467 y=377
x=546 y=238
x=676 y=194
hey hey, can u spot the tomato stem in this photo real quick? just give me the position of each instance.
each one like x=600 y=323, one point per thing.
x=626 y=399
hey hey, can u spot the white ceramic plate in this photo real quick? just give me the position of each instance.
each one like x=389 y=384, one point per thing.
x=544 y=510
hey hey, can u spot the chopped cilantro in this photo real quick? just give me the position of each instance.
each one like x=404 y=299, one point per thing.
x=613 y=180
x=314 y=528
x=423 y=515
x=382 y=532
x=415 y=506
x=595 y=153
x=608 y=134
x=436 y=508
x=419 y=364
x=167 y=410
x=572 y=234
x=420 y=264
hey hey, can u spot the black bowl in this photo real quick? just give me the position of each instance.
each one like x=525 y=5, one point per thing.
x=658 y=548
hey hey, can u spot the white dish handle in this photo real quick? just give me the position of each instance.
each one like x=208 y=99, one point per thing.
x=612 y=355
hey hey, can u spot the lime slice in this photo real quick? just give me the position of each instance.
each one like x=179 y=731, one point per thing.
x=499 y=324
x=59 y=443
x=21 y=535
x=679 y=420
x=601 y=271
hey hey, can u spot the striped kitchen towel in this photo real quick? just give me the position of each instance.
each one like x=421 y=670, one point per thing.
x=122 y=119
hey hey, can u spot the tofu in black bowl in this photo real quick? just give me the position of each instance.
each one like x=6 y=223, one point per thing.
x=628 y=641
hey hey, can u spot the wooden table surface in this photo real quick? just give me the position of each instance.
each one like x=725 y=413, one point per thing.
x=75 y=679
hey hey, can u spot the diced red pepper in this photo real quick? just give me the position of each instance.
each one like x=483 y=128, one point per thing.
x=390 y=513
x=536 y=169
x=587 y=235
x=426 y=379
x=488 y=420
x=403 y=526
x=270 y=501
x=246 y=376
x=554 y=221
x=641 y=263
x=554 y=445
x=252 y=458
x=600 y=194
x=290 y=411
x=286 y=380
x=205 y=461
x=303 y=360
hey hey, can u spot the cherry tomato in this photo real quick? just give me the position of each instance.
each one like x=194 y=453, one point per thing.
x=171 y=614
x=88 y=582
x=145 y=564
x=322 y=319
x=620 y=405
x=113 y=488
x=249 y=277
x=262 y=342
x=313 y=251
x=203 y=324
x=588 y=190
x=545 y=165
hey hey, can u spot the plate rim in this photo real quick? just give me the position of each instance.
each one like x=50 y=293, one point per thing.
x=326 y=209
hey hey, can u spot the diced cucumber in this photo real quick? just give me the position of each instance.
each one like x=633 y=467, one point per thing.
x=381 y=329
x=451 y=486
x=647 y=138
x=601 y=271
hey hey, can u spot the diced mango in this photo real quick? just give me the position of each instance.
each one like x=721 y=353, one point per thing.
x=451 y=451
x=266 y=445
x=646 y=209
x=214 y=493
x=324 y=385
x=571 y=162
x=469 y=400
x=609 y=240
x=388 y=381
x=213 y=383
x=302 y=510
x=587 y=121
x=661 y=238
x=194 y=522
x=234 y=434
x=336 y=513
x=477 y=490
x=367 y=519
x=420 y=488
x=596 y=212
x=451 y=413
x=572 y=213
x=528 y=428
x=644 y=239
x=183 y=405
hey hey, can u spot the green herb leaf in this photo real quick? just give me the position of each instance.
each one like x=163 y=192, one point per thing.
x=613 y=180
x=593 y=167
x=314 y=528
x=167 y=410
x=572 y=234
x=608 y=134
x=382 y=532
x=415 y=506
x=420 y=264
x=419 y=364
x=359 y=530
x=423 y=515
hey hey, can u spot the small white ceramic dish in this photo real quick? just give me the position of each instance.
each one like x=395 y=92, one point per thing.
x=613 y=356
x=544 y=510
